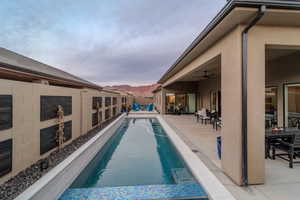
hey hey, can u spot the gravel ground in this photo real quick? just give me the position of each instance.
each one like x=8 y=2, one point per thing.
x=16 y=185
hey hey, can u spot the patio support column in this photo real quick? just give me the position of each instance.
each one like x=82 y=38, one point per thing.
x=231 y=91
x=245 y=95
x=256 y=109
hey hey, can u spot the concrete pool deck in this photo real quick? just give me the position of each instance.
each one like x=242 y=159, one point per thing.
x=281 y=182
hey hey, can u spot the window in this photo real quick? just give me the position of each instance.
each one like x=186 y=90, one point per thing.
x=271 y=106
x=5 y=112
x=114 y=111
x=107 y=101
x=67 y=131
x=213 y=100
x=107 y=114
x=170 y=102
x=49 y=106
x=114 y=100
x=48 y=136
x=97 y=100
x=292 y=105
x=5 y=157
x=95 y=118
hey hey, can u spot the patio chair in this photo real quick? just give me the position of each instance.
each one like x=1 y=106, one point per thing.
x=204 y=116
x=217 y=123
x=198 y=114
x=290 y=149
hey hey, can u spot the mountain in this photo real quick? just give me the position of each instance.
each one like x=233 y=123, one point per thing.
x=143 y=90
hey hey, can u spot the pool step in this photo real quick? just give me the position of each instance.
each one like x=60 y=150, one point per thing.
x=153 y=192
x=181 y=175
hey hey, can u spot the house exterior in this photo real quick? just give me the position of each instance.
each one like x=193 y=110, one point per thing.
x=125 y=98
x=244 y=65
x=30 y=93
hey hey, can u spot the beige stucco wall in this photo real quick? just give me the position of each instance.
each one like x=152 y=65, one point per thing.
x=143 y=100
x=259 y=38
x=158 y=101
x=25 y=132
x=130 y=99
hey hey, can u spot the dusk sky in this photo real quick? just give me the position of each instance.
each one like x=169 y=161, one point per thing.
x=105 y=41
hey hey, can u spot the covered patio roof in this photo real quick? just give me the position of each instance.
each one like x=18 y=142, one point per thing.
x=236 y=12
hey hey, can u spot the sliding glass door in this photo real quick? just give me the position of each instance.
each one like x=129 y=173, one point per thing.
x=191 y=103
x=170 y=103
x=180 y=103
x=271 y=106
x=292 y=105
x=215 y=102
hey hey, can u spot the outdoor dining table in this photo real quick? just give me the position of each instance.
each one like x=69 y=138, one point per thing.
x=271 y=135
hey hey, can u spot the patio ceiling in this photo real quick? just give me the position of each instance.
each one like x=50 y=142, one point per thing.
x=210 y=68
x=276 y=52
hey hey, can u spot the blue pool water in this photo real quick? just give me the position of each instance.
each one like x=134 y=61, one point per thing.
x=139 y=155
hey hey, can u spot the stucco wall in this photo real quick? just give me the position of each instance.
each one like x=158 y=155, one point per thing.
x=25 y=131
x=143 y=100
x=259 y=38
x=158 y=101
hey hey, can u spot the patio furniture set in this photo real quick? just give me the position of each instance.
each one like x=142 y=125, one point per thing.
x=284 y=143
x=207 y=117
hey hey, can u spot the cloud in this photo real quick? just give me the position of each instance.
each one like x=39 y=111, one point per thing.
x=121 y=41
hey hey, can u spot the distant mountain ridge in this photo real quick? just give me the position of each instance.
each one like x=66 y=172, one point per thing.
x=143 y=90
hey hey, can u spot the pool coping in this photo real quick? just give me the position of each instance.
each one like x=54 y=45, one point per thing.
x=44 y=186
x=214 y=188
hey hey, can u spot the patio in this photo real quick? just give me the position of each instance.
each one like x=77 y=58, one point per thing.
x=281 y=181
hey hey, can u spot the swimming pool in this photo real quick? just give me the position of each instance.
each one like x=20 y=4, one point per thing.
x=138 y=162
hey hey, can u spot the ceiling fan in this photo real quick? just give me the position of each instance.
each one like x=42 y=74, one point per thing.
x=208 y=76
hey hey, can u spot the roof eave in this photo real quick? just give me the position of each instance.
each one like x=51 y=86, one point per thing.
x=220 y=16
x=35 y=75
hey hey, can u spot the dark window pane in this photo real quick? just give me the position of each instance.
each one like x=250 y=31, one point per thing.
x=48 y=136
x=107 y=101
x=114 y=100
x=49 y=106
x=5 y=112
x=107 y=114
x=5 y=157
x=68 y=131
x=95 y=119
x=95 y=100
x=114 y=111
x=271 y=107
x=292 y=105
